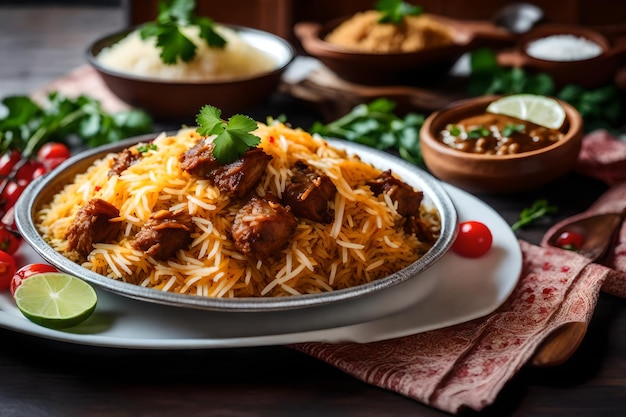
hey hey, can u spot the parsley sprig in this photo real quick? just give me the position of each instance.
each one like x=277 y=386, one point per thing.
x=531 y=214
x=233 y=137
x=394 y=11
x=26 y=125
x=375 y=124
x=170 y=39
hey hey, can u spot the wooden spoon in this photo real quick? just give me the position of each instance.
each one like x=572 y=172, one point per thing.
x=600 y=233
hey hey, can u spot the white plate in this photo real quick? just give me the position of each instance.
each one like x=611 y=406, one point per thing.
x=466 y=289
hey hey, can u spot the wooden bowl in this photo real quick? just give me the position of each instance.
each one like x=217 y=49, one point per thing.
x=398 y=68
x=180 y=101
x=494 y=174
x=588 y=73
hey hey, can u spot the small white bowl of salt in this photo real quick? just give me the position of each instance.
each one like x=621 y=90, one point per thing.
x=571 y=55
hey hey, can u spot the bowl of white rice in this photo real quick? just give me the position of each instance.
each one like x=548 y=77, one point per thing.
x=234 y=78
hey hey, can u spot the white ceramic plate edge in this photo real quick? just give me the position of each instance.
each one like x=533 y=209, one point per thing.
x=489 y=281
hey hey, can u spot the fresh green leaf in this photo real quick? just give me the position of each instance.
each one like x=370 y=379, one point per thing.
x=26 y=125
x=376 y=125
x=539 y=209
x=172 y=42
x=394 y=11
x=233 y=138
x=478 y=132
x=511 y=128
x=145 y=147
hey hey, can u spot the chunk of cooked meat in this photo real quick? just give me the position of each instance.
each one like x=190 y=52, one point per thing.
x=92 y=225
x=309 y=192
x=415 y=225
x=262 y=227
x=123 y=160
x=240 y=177
x=407 y=198
x=235 y=179
x=163 y=234
x=199 y=160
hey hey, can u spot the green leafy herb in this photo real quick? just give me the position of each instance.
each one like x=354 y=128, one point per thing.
x=173 y=16
x=233 y=138
x=511 y=128
x=394 y=11
x=478 y=132
x=454 y=130
x=531 y=214
x=376 y=125
x=26 y=125
x=145 y=147
x=600 y=107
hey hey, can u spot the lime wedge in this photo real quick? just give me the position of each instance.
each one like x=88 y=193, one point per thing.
x=55 y=299
x=541 y=110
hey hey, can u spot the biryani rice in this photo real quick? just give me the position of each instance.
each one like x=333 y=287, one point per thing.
x=363 y=243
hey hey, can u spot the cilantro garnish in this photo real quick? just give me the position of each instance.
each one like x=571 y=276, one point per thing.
x=174 y=15
x=531 y=214
x=145 y=147
x=394 y=11
x=511 y=128
x=478 y=132
x=233 y=138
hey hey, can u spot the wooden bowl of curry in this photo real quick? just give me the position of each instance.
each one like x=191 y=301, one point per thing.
x=521 y=160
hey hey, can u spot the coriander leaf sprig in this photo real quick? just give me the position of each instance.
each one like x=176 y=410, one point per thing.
x=170 y=39
x=394 y=11
x=376 y=125
x=531 y=214
x=233 y=137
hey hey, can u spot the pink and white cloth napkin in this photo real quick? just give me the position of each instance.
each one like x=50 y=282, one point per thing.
x=466 y=366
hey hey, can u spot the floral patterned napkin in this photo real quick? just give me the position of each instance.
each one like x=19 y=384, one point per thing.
x=466 y=366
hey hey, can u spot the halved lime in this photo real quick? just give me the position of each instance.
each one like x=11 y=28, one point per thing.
x=541 y=110
x=56 y=300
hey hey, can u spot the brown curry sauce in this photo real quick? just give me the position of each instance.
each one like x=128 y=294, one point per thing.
x=497 y=134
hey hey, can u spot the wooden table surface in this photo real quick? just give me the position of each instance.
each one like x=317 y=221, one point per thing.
x=40 y=377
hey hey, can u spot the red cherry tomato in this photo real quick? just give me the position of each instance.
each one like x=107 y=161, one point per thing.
x=473 y=240
x=53 y=150
x=8 y=161
x=27 y=172
x=570 y=240
x=7 y=270
x=9 y=240
x=12 y=192
x=28 y=271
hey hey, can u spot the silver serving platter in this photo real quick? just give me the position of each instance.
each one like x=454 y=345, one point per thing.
x=361 y=303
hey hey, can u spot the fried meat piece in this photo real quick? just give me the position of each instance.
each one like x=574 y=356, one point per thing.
x=92 y=225
x=407 y=198
x=236 y=179
x=309 y=192
x=199 y=160
x=123 y=160
x=240 y=177
x=262 y=227
x=163 y=234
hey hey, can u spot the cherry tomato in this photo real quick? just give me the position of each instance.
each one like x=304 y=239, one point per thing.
x=27 y=172
x=7 y=270
x=570 y=240
x=474 y=239
x=12 y=192
x=8 y=161
x=53 y=150
x=9 y=240
x=28 y=271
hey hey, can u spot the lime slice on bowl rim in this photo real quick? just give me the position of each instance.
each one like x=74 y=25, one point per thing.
x=56 y=300
x=540 y=110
